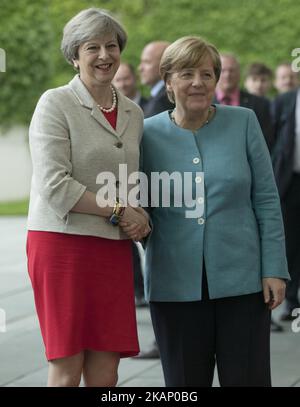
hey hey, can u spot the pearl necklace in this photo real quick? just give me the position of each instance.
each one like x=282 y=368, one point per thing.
x=114 y=104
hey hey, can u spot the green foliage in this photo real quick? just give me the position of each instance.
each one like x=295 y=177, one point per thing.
x=265 y=30
x=31 y=31
x=26 y=37
x=16 y=208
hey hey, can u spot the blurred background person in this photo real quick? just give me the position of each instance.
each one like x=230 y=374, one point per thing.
x=228 y=92
x=258 y=79
x=149 y=75
x=126 y=81
x=286 y=162
x=285 y=79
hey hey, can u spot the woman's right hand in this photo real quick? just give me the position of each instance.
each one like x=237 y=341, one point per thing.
x=135 y=223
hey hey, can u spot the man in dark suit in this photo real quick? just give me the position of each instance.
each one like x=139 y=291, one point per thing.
x=258 y=79
x=286 y=162
x=285 y=78
x=229 y=93
x=149 y=74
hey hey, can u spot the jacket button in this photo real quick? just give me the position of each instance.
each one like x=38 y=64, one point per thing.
x=119 y=144
x=200 y=200
x=196 y=160
x=200 y=221
x=198 y=180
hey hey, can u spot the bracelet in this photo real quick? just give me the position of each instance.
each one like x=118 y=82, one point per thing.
x=118 y=212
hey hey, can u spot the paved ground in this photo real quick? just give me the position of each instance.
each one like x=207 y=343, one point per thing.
x=22 y=361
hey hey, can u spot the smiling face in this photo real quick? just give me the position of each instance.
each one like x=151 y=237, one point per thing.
x=98 y=60
x=193 y=88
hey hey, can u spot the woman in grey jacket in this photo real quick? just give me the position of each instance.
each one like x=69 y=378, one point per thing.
x=79 y=258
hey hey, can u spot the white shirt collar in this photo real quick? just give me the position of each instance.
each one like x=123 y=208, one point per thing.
x=137 y=98
x=156 y=88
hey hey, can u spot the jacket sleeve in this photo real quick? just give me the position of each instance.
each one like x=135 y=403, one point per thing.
x=145 y=186
x=50 y=149
x=266 y=203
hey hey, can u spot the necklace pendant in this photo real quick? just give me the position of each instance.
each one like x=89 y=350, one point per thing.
x=172 y=116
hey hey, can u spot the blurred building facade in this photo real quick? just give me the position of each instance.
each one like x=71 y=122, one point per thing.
x=15 y=165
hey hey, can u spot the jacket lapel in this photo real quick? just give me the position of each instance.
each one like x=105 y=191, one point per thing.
x=87 y=101
x=123 y=117
x=100 y=118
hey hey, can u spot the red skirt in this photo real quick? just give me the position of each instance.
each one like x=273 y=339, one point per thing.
x=84 y=293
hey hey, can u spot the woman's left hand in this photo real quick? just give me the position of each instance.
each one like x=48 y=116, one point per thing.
x=274 y=291
x=135 y=231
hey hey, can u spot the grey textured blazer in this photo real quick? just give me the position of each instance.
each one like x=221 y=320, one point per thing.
x=71 y=142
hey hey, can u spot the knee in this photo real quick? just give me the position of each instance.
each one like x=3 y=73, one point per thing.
x=106 y=379
x=65 y=380
x=112 y=380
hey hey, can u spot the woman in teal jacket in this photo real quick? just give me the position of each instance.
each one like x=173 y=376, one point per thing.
x=213 y=271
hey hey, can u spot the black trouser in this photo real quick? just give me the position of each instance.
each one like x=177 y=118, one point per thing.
x=138 y=273
x=291 y=216
x=233 y=331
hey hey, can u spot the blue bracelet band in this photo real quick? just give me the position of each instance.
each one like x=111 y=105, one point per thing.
x=114 y=219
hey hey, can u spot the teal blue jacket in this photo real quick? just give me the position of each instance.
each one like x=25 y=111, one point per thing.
x=240 y=234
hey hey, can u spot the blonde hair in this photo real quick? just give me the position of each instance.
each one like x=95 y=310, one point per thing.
x=188 y=52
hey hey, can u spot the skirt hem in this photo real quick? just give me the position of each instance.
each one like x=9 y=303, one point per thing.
x=123 y=353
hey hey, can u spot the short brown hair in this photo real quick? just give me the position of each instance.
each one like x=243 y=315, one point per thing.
x=258 y=69
x=188 y=52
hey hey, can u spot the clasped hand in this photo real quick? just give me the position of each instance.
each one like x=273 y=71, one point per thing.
x=135 y=223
